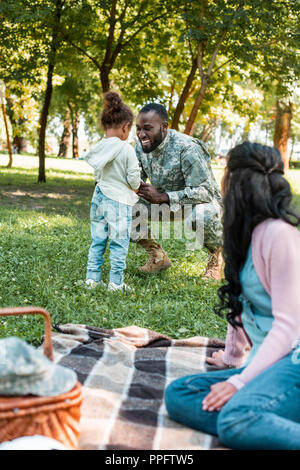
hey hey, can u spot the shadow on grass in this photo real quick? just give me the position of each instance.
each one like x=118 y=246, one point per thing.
x=46 y=204
x=59 y=195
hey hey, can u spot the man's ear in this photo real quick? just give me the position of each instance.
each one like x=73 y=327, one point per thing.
x=165 y=127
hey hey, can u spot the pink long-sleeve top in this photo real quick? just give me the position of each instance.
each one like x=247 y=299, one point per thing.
x=276 y=259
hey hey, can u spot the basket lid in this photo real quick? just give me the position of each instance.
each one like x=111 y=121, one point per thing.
x=26 y=371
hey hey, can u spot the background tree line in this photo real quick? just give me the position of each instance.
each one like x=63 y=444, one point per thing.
x=214 y=63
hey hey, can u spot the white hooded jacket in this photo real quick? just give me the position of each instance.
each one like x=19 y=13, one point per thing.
x=116 y=169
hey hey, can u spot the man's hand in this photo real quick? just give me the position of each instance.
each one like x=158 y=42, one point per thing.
x=220 y=393
x=150 y=193
x=217 y=360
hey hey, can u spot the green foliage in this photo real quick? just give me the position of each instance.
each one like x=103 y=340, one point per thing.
x=145 y=51
x=79 y=88
x=22 y=110
x=250 y=35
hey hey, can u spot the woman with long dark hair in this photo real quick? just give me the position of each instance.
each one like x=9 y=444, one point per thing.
x=252 y=404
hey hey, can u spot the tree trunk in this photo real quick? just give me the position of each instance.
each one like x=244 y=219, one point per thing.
x=20 y=143
x=208 y=130
x=184 y=95
x=292 y=148
x=245 y=136
x=10 y=161
x=66 y=135
x=170 y=105
x=48 y=94
x=190 y=124
x=104 y=77
x=43 y=124
x=75 y=125
x=283 y=130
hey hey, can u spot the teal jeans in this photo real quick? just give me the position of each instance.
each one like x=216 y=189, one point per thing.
x=110 y=221
x=262 y=415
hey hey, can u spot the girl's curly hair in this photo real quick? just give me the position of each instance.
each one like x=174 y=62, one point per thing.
x=115 y=111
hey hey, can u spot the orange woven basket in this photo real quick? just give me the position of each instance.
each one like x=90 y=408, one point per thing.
x=55 y=417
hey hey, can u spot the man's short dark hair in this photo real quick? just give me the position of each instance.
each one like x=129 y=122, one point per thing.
x=157 y=108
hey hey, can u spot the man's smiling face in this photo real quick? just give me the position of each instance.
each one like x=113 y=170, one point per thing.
x=151 y=130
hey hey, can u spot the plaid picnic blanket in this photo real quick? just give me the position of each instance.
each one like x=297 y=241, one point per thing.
x=124 y=373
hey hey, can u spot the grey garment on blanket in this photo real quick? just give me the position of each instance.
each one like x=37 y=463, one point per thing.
x=26 y=371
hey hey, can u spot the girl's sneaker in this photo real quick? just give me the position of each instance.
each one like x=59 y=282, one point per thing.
x=91 y=284
x=121 y=287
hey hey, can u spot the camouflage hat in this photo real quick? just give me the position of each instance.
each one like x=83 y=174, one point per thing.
x=26 y=371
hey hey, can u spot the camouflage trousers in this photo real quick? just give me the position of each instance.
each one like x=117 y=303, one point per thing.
x=202 y=223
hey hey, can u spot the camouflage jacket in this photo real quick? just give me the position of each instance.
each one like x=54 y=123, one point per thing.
x=180 y=166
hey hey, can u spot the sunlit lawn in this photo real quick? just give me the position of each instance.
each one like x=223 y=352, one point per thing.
x=44 y=241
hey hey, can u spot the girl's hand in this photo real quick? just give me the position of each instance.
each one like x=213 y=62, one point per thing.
x=217 y=360
x=220 y=393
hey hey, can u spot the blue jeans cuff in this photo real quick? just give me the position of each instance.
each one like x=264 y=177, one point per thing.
x=95 y=276
x=116 y=278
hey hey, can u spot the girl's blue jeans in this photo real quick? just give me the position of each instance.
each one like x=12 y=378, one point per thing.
x=263 y=415
x=110 y=220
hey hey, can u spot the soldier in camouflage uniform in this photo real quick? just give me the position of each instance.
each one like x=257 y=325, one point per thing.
x=179 y=170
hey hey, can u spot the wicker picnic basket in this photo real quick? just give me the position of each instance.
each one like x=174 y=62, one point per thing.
x=55 y=417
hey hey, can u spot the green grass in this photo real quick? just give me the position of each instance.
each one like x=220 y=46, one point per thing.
x=44 y=242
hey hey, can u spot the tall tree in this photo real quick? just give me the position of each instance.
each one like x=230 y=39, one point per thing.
x=185 y=93
x=3 y=102
x=282 y=133
x=54 y=43
x=66 y=135
x=37 y=25
x=16 y=64
x=112 y=28
x=75 y=115
x=77 y=95
x=237 y=33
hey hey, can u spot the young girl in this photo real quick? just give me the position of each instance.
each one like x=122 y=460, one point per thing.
x=117 y=173
x=257 y=405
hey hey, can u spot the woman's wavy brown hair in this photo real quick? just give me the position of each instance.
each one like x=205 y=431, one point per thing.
x=254 y=190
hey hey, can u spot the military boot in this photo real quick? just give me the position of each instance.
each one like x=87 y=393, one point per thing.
x=158 y=258
x=214 y=266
